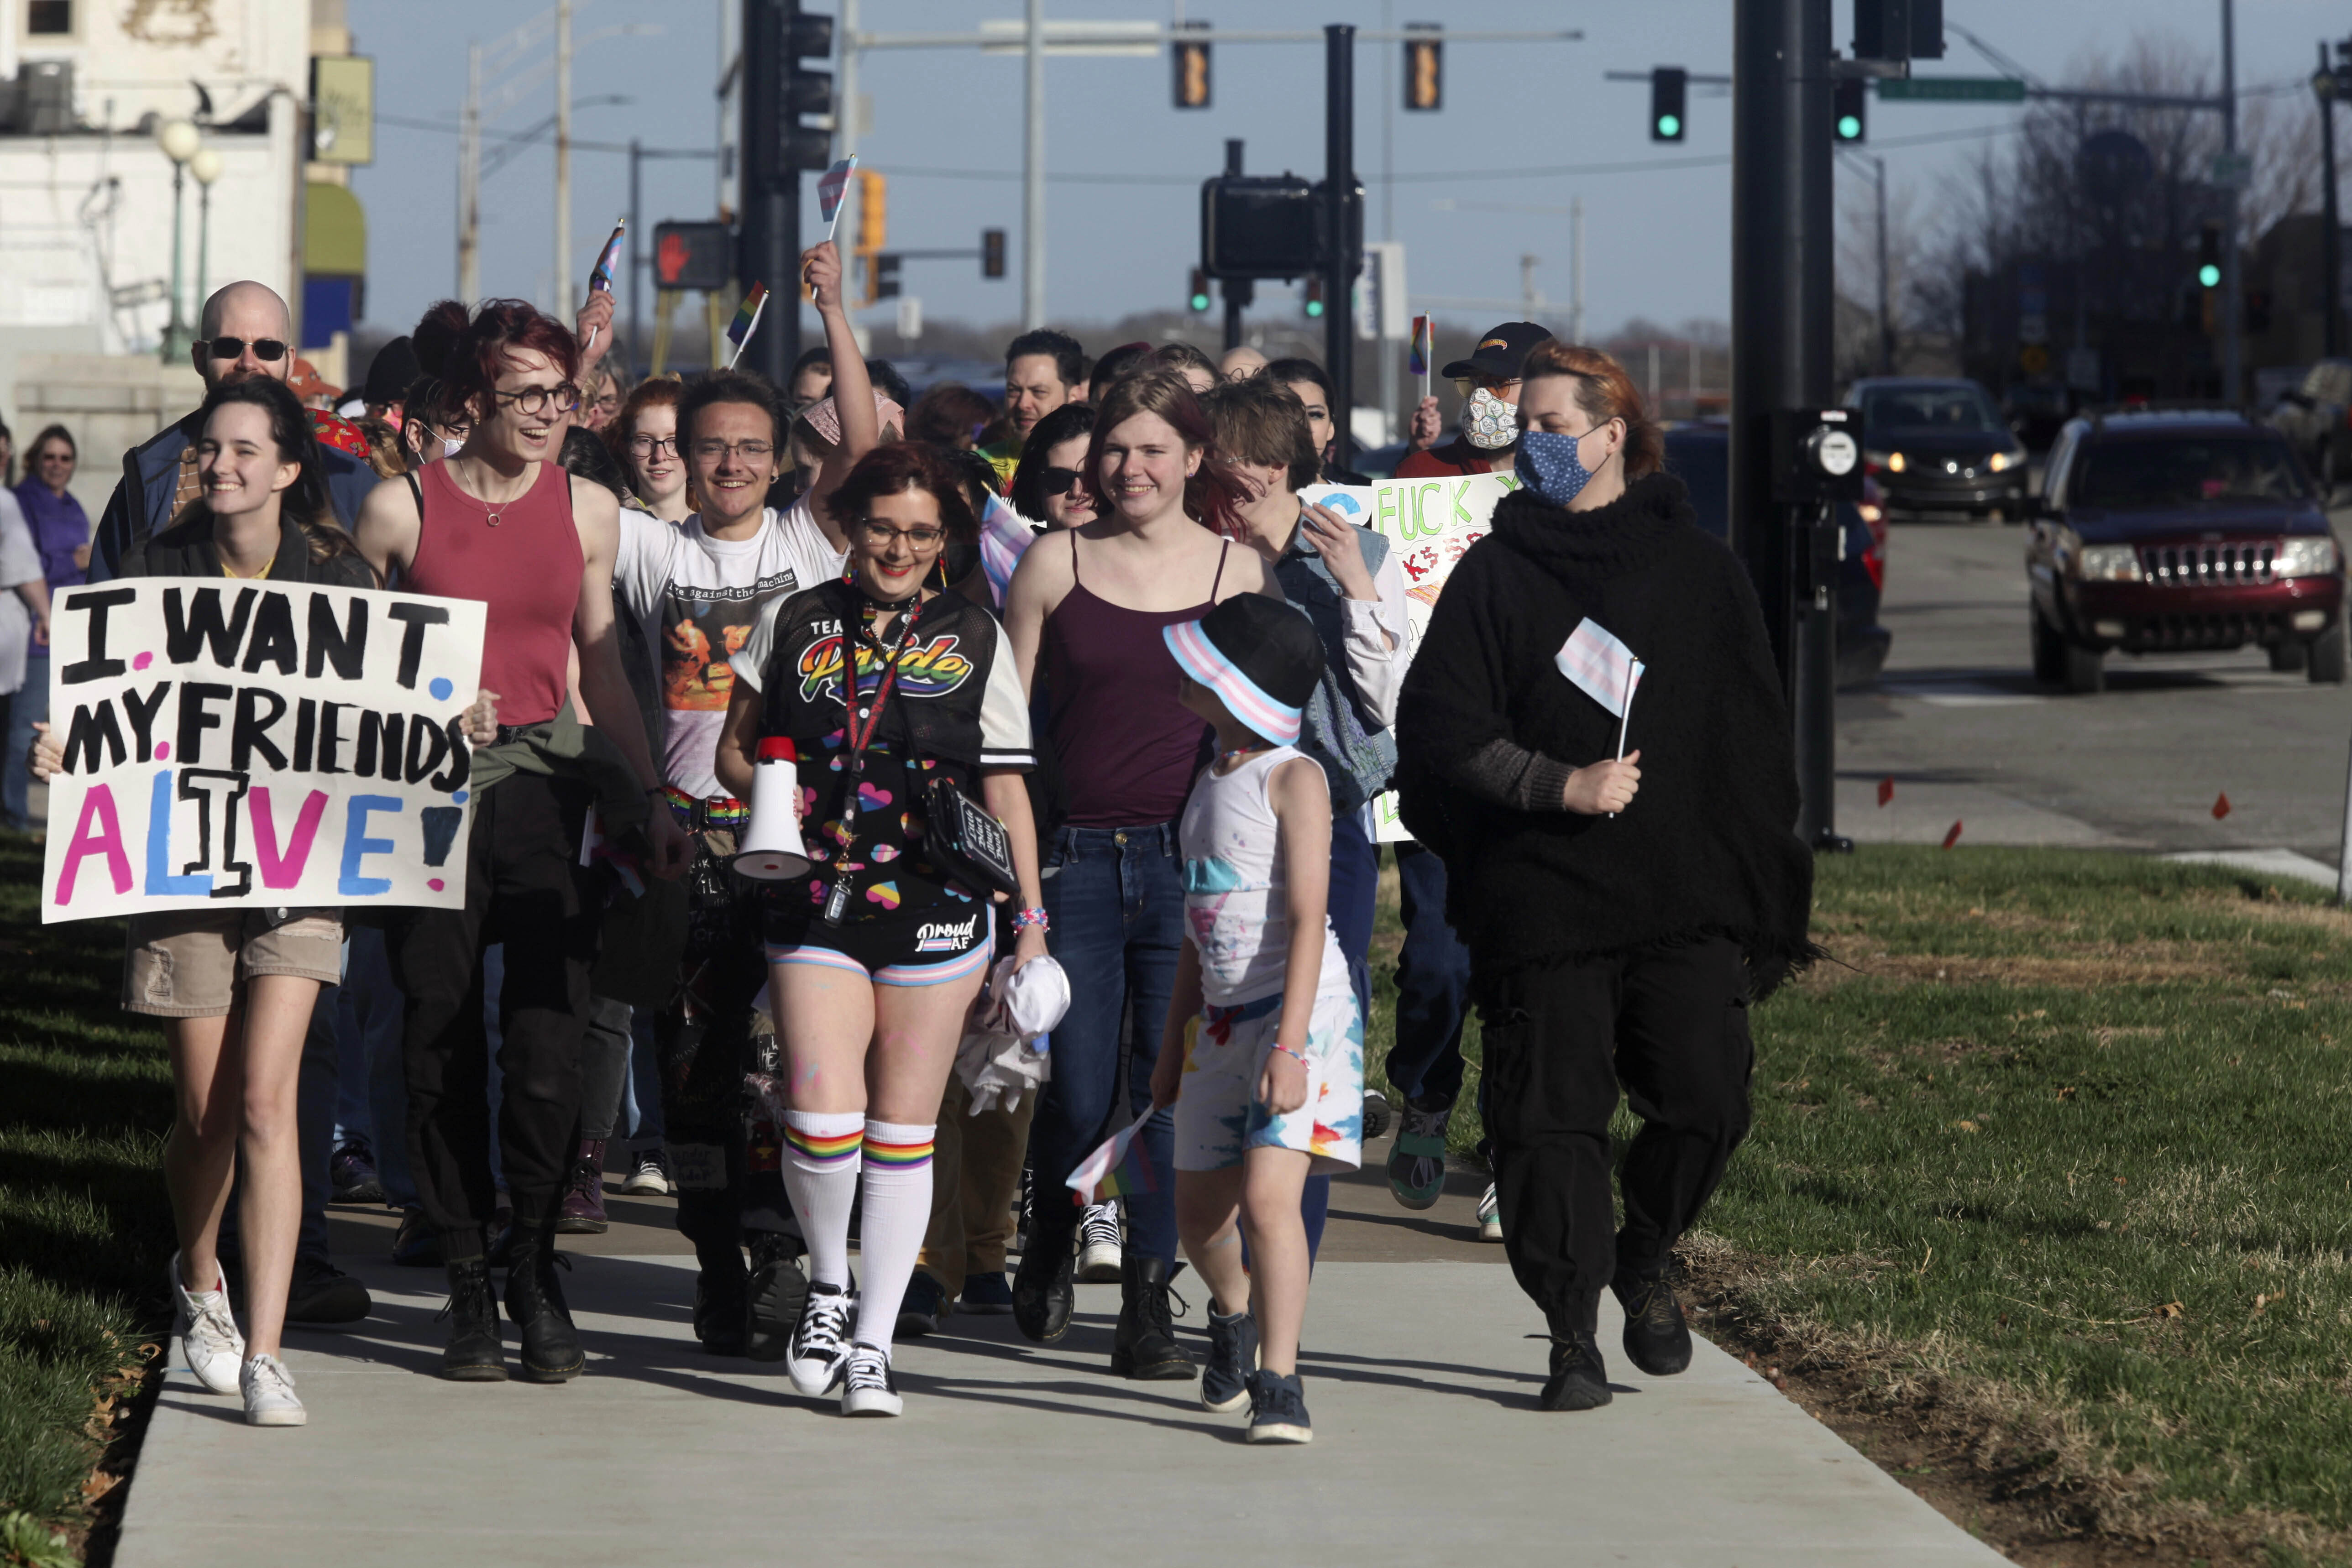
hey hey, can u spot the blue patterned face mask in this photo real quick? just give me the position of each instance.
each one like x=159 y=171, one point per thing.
x=1547 y=464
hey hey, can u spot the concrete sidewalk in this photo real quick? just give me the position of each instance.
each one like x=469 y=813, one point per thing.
x=1428 y=1448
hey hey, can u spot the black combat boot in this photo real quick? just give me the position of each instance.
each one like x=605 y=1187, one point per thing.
x=551 y=1345
x=1145 y=1345
x=473 y=1354
x=1043 y=1294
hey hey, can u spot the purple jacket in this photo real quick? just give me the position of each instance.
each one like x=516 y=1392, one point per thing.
x=59 y=527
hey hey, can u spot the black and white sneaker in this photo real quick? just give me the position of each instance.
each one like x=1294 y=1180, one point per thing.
x=814 y=1360
x=1279 y=1409
x=1233 y=1356
x=867 y=1388
x=1098 y=1245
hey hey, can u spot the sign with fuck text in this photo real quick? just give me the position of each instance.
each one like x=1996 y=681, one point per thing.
x=235 y=743
x=1430 y=524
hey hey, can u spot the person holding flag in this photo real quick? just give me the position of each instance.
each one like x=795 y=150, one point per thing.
x=1593 y=737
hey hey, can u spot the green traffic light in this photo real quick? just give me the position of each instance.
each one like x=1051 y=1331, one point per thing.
x=1315 y=308
x=1200 y=302
x=2209 y=275
x=1849 y=128
x=1670 y=125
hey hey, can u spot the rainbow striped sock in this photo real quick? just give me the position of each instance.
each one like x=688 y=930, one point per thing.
x=822 y=1143
x=894 y=1147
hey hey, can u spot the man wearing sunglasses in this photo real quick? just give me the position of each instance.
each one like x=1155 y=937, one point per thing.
x=1489 y=384
x=247 y=332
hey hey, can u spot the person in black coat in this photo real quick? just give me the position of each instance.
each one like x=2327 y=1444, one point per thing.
x=1621 y=914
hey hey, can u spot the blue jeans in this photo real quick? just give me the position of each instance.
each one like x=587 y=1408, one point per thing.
x=641 y=1103
x=29 y=706
x=1117 y=901
x=1432 y=976
x=373 y=1091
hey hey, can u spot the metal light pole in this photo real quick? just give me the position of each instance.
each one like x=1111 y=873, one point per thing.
x=179 y=141
x=2232 y=304
x=1342 y=261
x=206 y=167
x=1238 y=291
x=562 y=154
x=469 y=183
x=2331 y=235
x=1885 y=287
x=1576 y=270
x=1033 y=174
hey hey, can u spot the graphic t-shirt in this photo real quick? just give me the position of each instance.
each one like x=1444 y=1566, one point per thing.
x=699 y=599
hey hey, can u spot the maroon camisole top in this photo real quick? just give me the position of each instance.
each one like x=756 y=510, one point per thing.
x=1126 y=745
x=524 y=560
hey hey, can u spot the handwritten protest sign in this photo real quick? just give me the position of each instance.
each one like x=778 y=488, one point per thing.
x=232 y=744
x=1429 y=524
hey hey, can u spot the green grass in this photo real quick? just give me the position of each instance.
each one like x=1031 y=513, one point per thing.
x=85 y=1231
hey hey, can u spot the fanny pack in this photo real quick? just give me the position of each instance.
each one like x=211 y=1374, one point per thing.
x=964 y=841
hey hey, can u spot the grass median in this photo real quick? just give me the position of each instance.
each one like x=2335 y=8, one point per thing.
x=85 y=1231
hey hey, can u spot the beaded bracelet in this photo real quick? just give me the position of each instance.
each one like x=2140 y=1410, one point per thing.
x=1297 y=1056
x=1025 y=918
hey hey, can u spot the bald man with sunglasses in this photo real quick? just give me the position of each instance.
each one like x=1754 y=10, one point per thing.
x=247 y=332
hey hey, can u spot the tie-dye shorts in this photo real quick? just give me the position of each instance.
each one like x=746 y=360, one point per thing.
x=1218 y=1114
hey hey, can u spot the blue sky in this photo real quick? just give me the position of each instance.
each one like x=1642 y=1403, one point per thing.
x=947 y=130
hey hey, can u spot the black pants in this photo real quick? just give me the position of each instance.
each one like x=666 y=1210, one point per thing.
x=705 y=1044
x=1671 y=1023
x=524 y=887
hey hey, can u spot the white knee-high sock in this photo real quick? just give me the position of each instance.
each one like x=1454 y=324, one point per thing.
x=897 y=1211
x=821 y=1159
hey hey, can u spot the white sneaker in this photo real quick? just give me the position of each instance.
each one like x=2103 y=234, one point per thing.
x=814 y=1358
x=648 y=1174
x=1490 y=1216
x=866 y=1386
x=1098 y=1247
x=268 y=1390
x=209 y=1342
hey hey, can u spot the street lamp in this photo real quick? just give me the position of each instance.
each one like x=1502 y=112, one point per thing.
x=180 y=141
x=206 y=167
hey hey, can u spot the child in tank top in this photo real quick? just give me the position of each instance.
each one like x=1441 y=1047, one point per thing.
x=1263 y=1053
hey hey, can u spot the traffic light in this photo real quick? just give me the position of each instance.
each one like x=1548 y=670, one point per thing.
x=804 y=92
x=1200 y=295
x=1192 y=61
x=1846 y=123
x=1424 y=66
x=2208 y=256
x=873 y=213
x=1669 y=92
x=991 y=253
x=1315 y=297
x=886 y=275
x=1898 y=29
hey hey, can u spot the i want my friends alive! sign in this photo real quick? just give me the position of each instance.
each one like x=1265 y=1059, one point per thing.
x=230 y=744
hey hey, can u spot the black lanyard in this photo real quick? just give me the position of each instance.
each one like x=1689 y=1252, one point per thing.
x=836 y=902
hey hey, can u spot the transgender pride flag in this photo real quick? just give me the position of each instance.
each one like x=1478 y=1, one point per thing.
x=1003 y=537
x=1603 y=669
x=1118 y=1168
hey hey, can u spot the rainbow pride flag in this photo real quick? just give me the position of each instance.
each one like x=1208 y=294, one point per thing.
x=1417 y=356
x=1003 y=538
x=1120 y=1168
x=608 y=265
x=747 y=316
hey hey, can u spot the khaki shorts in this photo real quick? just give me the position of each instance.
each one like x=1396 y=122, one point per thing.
x=186 y=963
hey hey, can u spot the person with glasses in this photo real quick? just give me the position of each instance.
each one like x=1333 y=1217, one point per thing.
x=502 y=522
x=893 y=702
x=60 y=532
x=1046 y=488
x=644 y=438
x=1487 y=382
x=245 y=328
x=600 y=401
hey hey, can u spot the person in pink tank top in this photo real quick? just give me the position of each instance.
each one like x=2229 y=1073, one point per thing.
x=500 y=522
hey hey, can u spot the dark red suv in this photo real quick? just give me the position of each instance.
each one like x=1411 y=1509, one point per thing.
x=2178 y=531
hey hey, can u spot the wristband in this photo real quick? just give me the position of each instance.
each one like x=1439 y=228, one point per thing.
x=1297 y=1056
x=1025 y=918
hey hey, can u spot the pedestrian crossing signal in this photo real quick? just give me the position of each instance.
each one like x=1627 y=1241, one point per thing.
x=1669 y=92
x=1424 y=66
x=1192 y=61
x=1199 y=292
x=1846 y=117
x=991 y=253
x=1314 y=298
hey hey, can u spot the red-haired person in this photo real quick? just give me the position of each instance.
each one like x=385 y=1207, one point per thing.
x=895 y=696
x=1621 y=914
x=502 y=522
x=1085 y=613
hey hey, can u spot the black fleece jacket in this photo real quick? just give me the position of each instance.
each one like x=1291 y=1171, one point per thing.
x=1708 y=847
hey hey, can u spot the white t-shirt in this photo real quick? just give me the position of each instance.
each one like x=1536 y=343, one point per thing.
x=700 y=598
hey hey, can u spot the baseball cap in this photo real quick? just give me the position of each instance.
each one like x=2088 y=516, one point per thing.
x=1501 y=352
x=1260 y=655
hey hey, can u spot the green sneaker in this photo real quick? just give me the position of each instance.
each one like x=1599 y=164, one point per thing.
x=1417 y=1159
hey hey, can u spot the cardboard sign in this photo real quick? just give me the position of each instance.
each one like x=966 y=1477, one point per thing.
x=239 y=744
x=1430 y=524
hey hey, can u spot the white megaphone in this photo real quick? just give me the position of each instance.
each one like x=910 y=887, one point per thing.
x=771 y=849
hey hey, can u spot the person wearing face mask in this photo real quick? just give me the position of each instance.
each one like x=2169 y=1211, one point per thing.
x=1623 y=908
x=1489 y=382
x=245 y=328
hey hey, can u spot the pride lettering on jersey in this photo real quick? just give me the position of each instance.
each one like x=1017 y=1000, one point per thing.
x=931 y=669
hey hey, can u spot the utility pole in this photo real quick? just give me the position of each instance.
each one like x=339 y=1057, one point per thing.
x=1782 y=231
x=1033 y=176
x=769 y=191
x=2232 y=302
x=563 y=155
x=469 y=183
x=1576 y=270
x=1238 y=291
x=1885 y=287
x=636 y=242
x=2331 y=233
x=845 y=142
x=1343 y=259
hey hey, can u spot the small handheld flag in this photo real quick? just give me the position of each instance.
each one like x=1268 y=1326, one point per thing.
x=1115 y=1169
x=829 y=191
x=747 y=318
x=1603 y=669
x=1417 y=358
x=608 y=262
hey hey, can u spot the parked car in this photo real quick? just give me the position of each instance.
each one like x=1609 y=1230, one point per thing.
x=2316 y=420
x=2168 y=531
x=1937 y=446
x=1699 y=454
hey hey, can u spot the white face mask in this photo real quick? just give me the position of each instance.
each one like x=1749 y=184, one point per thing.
x=1488 y=423
x=451 y=448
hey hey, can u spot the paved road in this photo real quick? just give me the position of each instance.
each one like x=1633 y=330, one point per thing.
x=1427 y=1445
x=1960 y=725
